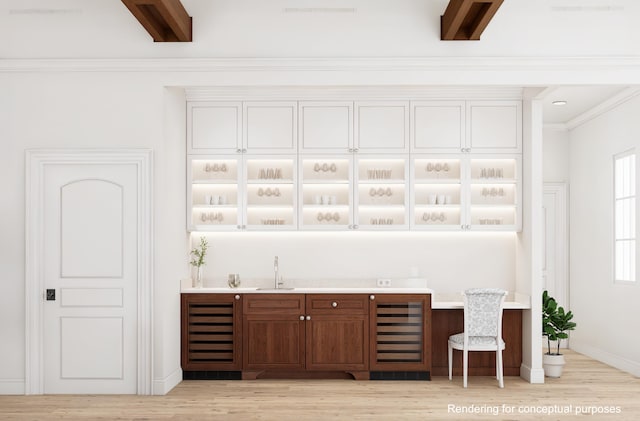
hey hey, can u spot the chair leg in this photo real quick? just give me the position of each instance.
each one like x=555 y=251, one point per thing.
x=465 y=366
x=450 y=359
x=499 y=367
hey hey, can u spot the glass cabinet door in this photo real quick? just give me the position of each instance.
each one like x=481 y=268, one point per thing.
x=382 y=193
x=326 y=192
x=270 y=193
x=437 y=196
x=494 y=194
x=214 y=202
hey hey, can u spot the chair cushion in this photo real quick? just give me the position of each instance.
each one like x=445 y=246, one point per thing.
x=458 y=338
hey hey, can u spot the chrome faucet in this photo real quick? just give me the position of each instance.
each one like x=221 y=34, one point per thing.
x=276 y=269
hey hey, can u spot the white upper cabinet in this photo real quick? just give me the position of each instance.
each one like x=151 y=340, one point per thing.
x=438 y=126
x=494 y=126
x=325 y=127
x=270 y=127
x=214 y=127
x=382 y=126
x=468 y=127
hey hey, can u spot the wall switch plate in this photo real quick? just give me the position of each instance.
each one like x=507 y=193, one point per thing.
x=384 y=283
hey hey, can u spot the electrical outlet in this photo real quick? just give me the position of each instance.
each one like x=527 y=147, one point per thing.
x=384 y=283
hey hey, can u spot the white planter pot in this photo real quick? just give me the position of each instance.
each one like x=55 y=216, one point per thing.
x=553 y=365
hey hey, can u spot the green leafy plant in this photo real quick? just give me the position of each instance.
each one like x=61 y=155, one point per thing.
x=555 y=322
x=199 y=253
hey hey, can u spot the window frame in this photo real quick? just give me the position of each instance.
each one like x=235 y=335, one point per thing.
x=616 y=199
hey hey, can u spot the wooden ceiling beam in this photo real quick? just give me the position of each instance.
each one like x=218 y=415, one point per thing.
x=465 y=20
x=164 y=20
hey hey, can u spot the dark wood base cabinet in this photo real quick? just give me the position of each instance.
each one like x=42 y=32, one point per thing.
x=449 y=322
x=211 y=332
x=307 y=336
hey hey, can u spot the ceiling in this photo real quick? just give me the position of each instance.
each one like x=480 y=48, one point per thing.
x=581 y=100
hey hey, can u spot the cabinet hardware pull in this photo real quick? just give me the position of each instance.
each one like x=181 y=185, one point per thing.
x=372 y=297
x=301 y=317
x=308 y=317
x=237 y=297
x=334 y=304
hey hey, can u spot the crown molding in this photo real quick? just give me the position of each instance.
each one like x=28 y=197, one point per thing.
x=560 y=127
x=603 y=107
x=361 y=92
x=396 y=64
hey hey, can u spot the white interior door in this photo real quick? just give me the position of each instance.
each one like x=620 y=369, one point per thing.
x=90 y=261
x=555 y=265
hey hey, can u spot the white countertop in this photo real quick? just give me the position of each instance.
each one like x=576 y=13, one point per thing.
x=308 y=291
x=439 y=301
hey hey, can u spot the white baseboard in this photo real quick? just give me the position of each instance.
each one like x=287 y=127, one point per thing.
x=533 y=376
x=164 y=386
x=12 y=387
x=621 y=363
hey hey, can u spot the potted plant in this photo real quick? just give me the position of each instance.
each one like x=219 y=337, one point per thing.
x=555 y=325
x=197 y=260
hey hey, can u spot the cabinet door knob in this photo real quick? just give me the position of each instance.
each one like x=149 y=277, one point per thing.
x=356 y=150
x=238 y=150
x=301 y=317
x=237 y=297
x=308 y=317
x=334 y=304
x=244 y=151
x=372 y=297
x=355 y=227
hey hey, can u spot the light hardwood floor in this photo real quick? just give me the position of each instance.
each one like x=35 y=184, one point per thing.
x=584 y=383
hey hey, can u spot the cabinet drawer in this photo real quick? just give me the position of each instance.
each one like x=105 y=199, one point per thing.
x=273 y=304
x=337 y=304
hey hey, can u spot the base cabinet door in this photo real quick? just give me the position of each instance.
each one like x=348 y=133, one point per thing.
x=274 y=331
x=211 y=332
x=400 y=332
x=275 y=342
x=337 y=332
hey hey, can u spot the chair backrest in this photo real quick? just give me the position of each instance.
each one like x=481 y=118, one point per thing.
x=483 y=311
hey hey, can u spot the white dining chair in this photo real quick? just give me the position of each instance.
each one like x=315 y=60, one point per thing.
x=482 y=329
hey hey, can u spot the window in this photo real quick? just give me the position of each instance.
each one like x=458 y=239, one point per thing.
x=625 y=216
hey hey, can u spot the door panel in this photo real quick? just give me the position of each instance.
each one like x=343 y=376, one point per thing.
x=273 y=342
x=337 y=342
x=91 y=347
x=82 y=220
x=90 y=256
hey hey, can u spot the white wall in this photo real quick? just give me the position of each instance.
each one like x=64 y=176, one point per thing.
x=450 y=262
x=90 y=110
x=555 y=158
x=606 y=313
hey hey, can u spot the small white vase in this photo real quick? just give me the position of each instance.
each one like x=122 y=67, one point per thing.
x=197 y=283
x=553 y=365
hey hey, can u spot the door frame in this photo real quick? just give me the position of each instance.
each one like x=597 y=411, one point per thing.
x=37 y=161
x=561 y=193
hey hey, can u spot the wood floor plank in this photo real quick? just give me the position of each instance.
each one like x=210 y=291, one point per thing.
x=585 y=383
